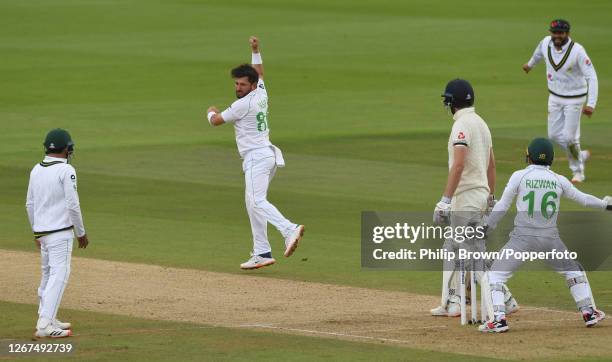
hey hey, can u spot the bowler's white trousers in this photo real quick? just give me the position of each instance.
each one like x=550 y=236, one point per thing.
x=259 y=166
x=55 y=267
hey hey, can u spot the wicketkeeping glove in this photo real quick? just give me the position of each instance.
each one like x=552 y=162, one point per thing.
x=442 y=211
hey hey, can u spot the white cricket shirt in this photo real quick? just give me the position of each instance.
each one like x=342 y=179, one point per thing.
x=470 y=130
x=249 y=115
x=538 y=191
x=569 y=72
x=52 y=201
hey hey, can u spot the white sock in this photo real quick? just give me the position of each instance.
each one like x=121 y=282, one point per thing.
x=580 y=292
x=498 y=300
x=42 y=323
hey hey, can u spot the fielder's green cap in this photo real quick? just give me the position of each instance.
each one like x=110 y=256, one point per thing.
x=57 y=140
x=541 y=151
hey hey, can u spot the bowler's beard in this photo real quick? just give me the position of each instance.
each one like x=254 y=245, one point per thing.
x=560 y=42
x=244 y=95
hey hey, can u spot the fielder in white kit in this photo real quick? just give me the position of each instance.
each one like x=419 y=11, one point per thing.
x=538 y=191
x=249 y=114
x=55 y=216
x=572 y=80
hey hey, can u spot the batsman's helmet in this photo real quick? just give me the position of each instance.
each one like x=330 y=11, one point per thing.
x=459 y=94
x=541 y=151
x=57 y=140
x=559 y=25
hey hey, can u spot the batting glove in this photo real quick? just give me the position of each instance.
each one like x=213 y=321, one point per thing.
x=491 y=202
x=442 y=211
x=608 y=201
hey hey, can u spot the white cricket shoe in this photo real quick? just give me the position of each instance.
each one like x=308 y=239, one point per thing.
x=291 y=242
x=495 y=326
x=512 y=306
x=454 y=310
x=438 y=311
x=600 y=315
x=61 y=325
x=52 y=331
x=256 y=262
x=591 y=319
x=586 y=155
x=578 y=178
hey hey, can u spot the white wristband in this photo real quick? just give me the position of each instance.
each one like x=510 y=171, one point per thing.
x=256 y=58
x=210 y=116
x=446 y=199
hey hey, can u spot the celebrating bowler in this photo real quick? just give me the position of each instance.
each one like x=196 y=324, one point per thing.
x=249 y=114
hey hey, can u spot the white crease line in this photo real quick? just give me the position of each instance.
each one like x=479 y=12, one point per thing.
x=401 y=329
x=542 y=309
x=549 y=320
x=257 y=325
x=135 y=330
x=338 y=334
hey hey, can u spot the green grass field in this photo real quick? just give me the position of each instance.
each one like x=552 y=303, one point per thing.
x=119 y=338
x=354 y=104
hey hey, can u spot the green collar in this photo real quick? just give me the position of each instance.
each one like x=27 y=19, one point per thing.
x=555 y=66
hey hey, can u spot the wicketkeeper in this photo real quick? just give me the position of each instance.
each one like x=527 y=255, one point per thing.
x=538 y=191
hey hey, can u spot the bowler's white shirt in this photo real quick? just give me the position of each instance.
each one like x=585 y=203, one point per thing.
x=250 y=117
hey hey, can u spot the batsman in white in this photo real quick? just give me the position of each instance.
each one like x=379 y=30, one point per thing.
x=572 y=81
x=55 y=216
x=249 y=114
x=469 y=188
x=538 y=191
